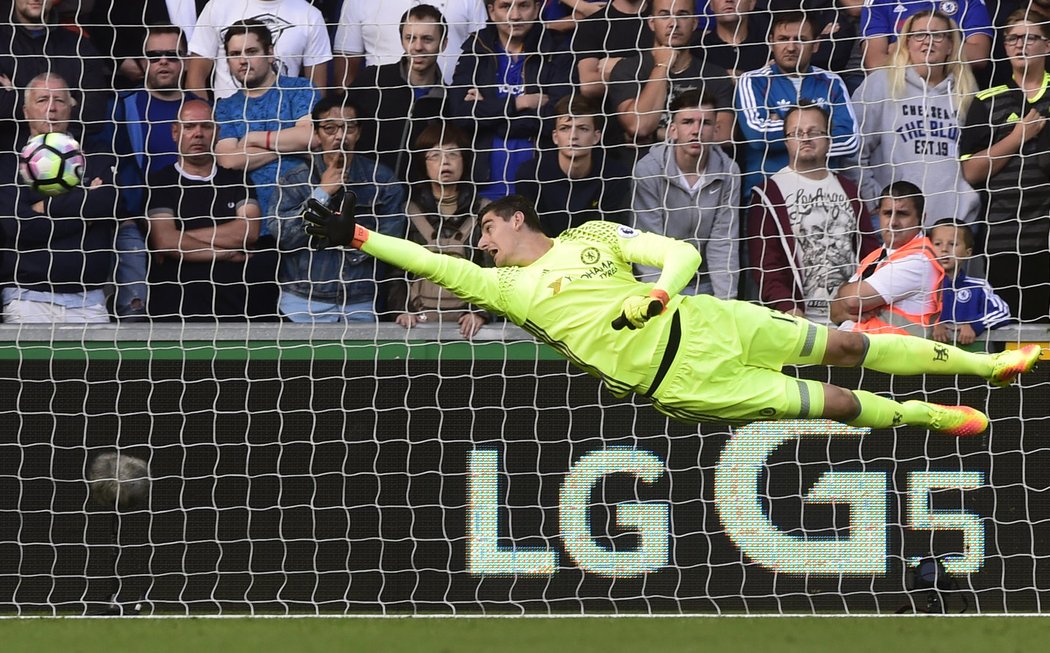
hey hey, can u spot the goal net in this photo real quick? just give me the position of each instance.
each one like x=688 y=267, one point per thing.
x=186 y=458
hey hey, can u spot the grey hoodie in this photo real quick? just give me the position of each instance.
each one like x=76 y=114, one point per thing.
x=708 y=217
x=912 y=138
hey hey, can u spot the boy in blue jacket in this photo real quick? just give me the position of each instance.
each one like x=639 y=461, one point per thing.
x=970 y=306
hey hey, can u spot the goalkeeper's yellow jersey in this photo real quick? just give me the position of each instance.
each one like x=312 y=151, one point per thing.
x=569 y=297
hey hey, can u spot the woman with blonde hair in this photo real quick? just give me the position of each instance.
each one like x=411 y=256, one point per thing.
x=910 y=115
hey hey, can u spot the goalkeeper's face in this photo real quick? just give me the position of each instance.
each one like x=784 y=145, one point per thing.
x=501 y=238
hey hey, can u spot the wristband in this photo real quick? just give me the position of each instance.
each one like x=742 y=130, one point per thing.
x=661 y=295
x=269 y=134
x=360 y=236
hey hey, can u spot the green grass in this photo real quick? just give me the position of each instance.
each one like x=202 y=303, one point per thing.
x=722 y=635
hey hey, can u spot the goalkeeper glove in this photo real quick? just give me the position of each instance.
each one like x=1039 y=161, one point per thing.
x=636 y=311
x=330 y=228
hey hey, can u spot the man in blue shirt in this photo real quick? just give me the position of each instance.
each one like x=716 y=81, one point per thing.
x=264 y=129
x=881 y=20
x=141 y=135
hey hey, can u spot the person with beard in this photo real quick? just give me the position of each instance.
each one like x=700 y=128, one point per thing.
x=299 y=37
x=203 y=230
x=142 y=118
x=807 y=227
x=689 y=189
x=264 y=128
x=141 y=134
x=334 y=285
x=764 y=96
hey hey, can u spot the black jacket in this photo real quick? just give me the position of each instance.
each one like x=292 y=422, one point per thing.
x=392 y=116
x=545 y=70
x=23 y=56
x=605 y=194
x=69 y=248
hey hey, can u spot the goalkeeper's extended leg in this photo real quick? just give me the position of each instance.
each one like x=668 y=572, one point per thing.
x=898 y=354
x=861 y=408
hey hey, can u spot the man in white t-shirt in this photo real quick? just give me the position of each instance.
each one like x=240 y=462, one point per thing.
x=300 y=42
x=807 y=227
x=896 y=289
x=369 y=33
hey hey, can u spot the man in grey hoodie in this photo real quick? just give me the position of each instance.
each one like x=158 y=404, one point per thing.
x=689 y=189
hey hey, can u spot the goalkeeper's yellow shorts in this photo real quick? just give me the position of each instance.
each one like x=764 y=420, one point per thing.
x=729 y=361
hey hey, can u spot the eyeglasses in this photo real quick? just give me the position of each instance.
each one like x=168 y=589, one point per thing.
x=1023 y=39
x=333 y=128
x=934 y=37
x=433 y=157
x=156 y=55
x=806 y=135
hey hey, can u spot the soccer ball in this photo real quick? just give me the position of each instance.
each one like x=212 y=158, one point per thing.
x=118 y=480
x=52 y=163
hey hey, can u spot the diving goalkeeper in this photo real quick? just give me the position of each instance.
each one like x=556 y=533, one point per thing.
x=697 y=358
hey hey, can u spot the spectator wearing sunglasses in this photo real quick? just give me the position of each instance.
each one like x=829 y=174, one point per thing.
x=140 y=133
x=142 y=117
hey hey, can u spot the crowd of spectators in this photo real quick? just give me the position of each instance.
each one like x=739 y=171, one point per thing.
x=847 y=161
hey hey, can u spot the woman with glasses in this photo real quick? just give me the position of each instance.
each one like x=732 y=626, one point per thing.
x=910 y=113
x=1005 y=149
x=442 y=212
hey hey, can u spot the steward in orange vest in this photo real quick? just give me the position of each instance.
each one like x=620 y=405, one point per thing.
x=905 y=303
x=894 y=319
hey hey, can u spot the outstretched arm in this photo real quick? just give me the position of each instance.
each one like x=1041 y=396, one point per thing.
x=463 y=278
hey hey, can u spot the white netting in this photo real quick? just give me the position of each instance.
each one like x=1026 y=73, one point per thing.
x=268 y=462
